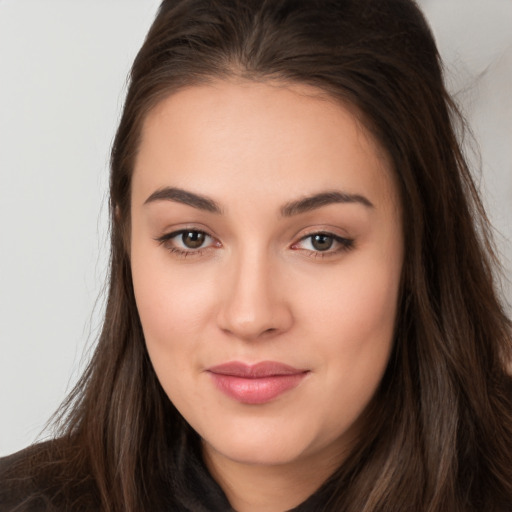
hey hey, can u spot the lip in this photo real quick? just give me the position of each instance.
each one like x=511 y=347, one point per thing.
x=258 y=383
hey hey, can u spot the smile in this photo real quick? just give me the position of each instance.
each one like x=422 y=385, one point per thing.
x=255 y=384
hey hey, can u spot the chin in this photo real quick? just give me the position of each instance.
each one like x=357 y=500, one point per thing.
x=257 y=455
x=261 y=445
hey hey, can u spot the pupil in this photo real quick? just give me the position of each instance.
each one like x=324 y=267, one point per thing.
x=193 y=239
x=322 y=242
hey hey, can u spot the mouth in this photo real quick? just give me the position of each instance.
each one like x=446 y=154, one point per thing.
x=256 y=384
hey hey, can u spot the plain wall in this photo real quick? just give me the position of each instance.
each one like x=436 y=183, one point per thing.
x=63 y=67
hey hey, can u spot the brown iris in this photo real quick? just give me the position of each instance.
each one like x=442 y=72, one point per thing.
x=193 y=239
x=322 y=242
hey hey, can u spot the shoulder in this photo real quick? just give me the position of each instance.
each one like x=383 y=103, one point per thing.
x=35 y=480
x=18 y=488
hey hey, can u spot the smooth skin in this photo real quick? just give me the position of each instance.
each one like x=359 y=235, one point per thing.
x=230 y=264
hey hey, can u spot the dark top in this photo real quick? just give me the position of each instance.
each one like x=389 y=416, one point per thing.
x=193 y=491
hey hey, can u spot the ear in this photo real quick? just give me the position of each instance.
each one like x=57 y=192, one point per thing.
x=121 y=225
x=117 y=214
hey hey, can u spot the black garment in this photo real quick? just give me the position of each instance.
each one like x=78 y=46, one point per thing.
x=191 y=490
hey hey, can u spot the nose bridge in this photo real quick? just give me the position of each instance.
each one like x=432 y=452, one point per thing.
x=252 y=305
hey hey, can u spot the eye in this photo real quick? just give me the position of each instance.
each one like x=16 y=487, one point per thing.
x=193 y=239
x=327 y=243
x=321 y=241
x=187 y=241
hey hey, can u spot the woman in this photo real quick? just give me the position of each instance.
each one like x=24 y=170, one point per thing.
x=301 y=311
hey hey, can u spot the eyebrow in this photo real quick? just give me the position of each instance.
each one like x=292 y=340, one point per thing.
x=183 y=196
x=323 y=199
x=290 y=209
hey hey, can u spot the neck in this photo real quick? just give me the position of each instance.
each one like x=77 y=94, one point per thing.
x=267 y=488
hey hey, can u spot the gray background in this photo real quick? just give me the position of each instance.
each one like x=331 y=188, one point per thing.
x=63 y=66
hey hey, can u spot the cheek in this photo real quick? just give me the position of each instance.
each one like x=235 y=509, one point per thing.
x=352 y=328
x=173 y=305
x=168 y=326
x=352 y=320
x=358 y=307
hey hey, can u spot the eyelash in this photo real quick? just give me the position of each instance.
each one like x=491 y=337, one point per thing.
x=345 y=244
x=166 y=239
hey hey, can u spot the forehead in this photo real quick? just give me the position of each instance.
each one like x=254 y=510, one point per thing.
x=270 y=137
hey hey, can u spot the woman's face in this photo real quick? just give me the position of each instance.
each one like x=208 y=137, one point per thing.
x=266 y=253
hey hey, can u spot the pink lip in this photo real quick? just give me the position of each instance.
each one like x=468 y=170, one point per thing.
x=258 y=383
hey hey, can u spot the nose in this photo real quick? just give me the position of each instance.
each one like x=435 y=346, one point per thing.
x=253 y=302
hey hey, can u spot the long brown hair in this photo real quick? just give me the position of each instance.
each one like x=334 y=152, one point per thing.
x=440 y=435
